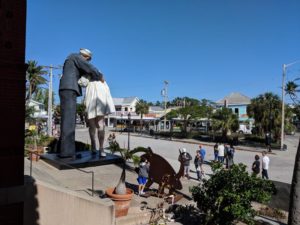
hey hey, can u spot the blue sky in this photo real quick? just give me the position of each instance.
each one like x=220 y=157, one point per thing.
x=204 y=48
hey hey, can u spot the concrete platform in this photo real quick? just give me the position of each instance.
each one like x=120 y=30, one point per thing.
x=86 y=160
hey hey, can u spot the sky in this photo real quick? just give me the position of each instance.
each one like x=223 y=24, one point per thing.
x=203 y=48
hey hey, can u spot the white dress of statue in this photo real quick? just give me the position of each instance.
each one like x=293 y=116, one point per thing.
x=98 y=103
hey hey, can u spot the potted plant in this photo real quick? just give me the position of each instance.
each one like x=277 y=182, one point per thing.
x=120 y=194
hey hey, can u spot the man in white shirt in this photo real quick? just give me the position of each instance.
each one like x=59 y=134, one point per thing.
x=265 y=165
x=221 y=153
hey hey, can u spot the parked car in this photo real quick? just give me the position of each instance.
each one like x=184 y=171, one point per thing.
x=244 y=129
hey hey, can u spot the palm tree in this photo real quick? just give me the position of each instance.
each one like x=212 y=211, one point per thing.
x=291 y=89
x=34 y=77
x=225 y=120
x=141 y=108
x=266 y=111
x=125 y=154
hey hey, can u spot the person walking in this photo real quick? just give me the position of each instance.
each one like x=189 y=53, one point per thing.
x=186 y=157
x=265 y=165
x=216 y=152
x=198 y=161
x=268 y=141
x=256 y=166
x=143 y=175
x=221 y=151
x=202 y=152
x=75 y=66
x=229 y=156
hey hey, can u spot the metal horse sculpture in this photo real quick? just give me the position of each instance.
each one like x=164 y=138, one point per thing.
x=162 y=173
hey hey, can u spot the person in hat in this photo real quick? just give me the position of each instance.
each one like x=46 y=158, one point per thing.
x=75 y=66
x=186 y=158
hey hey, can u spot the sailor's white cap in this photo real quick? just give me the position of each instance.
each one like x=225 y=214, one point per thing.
x=86 y=52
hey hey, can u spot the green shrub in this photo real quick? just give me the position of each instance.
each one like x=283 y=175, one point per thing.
x=226 y=197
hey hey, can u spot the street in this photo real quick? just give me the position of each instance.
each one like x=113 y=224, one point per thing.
x=281 y=162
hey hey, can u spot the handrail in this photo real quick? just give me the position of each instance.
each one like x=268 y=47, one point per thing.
x=65 y=164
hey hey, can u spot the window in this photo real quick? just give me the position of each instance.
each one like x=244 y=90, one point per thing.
x=126 y=109
x=236 y=110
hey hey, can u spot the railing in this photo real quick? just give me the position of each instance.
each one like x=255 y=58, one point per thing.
x=65 y=164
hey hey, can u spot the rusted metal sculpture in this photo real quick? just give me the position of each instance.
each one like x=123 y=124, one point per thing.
x=162 y=172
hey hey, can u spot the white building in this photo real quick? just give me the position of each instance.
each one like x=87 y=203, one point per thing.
x=39 y=109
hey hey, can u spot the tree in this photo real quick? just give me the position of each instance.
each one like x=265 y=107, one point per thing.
x=184 y=101
x=34 y=77
x=141 y=108
x=227 y=196
x=266 y=111
x=80 y=109
x=29 y=112
x=225 y=120
x=291 y=89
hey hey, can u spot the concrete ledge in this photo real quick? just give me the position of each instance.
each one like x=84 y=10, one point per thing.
x=46 y=204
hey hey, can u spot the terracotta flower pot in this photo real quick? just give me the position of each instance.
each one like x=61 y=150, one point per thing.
x=35 y=157
x=122 y=202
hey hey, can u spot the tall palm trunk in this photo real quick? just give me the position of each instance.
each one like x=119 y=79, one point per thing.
x=294 y=209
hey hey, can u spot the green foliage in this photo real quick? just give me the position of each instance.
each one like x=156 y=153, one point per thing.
x=126 y=154
x=34 y=77
x=142 y=108
x=292 y=89
x=29 y=111
x=227 y=195
x=216 y=166
x=80 y=110
x=225 y=120
x=266 y=111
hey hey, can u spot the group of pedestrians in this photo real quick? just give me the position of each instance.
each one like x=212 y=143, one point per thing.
x=198 y=162
x=224 y=152
x=265 y=165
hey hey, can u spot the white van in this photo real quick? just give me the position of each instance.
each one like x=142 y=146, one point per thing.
x=244 y=129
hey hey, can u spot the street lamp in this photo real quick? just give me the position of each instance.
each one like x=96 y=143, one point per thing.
x=284 y=67
x=164 y=93
x=128 y=129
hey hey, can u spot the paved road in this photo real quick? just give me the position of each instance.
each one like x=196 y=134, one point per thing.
x=281 y=162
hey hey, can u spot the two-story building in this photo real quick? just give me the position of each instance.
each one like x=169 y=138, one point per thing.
x=238 y=103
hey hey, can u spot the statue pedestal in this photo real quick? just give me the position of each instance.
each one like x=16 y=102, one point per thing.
x=86 y=160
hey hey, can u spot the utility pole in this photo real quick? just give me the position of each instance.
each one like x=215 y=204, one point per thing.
x=165 y=95
x=282 y=108
x=49 y=121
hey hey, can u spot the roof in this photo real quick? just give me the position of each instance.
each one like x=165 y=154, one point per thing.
x=235 y=98
x=33 y=102
x=155 y=108
x=124 y=101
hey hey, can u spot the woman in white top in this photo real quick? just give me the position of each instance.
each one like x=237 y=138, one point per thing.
x=98 y=103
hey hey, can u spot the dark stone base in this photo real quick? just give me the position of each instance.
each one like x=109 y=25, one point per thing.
x=86 y=160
